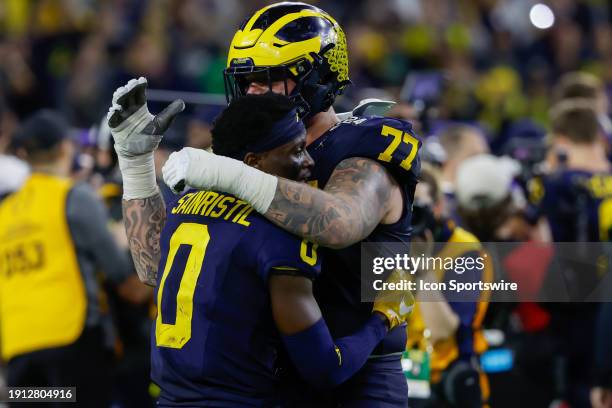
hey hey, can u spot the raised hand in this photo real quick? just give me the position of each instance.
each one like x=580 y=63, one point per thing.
x=135 y=130
x=137 y=134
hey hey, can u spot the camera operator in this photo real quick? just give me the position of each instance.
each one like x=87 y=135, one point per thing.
x=489 y=204
x=452 y=327
x=492 y=207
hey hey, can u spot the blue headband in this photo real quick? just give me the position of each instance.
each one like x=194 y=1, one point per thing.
x=282 y=132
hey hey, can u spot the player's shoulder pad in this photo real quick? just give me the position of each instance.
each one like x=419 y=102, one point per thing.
x=282 y=252
x=391 y=142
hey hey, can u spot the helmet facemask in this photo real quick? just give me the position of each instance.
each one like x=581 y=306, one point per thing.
x=238 y=78
x=314 y=91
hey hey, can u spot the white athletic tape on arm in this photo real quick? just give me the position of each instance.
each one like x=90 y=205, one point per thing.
x=204 y=170
x=138 y=173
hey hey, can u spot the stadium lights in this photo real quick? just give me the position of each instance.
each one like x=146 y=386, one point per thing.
x=541 y=16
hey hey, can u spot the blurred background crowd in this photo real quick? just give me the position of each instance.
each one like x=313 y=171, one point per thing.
x=476 y=77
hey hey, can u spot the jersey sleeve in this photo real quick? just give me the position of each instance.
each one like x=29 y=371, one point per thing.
x=285 y=253
x=392 y=143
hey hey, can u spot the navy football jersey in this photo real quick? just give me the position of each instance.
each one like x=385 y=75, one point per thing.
x=577 y=204
x=214 y=342
x=391 y=143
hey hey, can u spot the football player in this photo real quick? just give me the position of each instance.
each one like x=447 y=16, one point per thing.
x=575 y=199
x=366 y=171
x=578 y=189
x=227 y=278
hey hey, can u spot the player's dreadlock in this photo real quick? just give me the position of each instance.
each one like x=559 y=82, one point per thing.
x=246 y=120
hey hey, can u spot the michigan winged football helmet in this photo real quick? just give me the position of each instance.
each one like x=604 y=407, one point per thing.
x=290 y=40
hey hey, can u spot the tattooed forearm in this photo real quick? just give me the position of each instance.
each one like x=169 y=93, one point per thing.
x=354 y=201
x=144 y=220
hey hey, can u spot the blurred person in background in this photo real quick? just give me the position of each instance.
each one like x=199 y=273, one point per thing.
x=575 y=200
x=13 y=171
x=488 y=204
x=588 y=86
x=459 y=142
x=453 y=327
x=19 y=82
x=583 y=85
x=105 y=173
x=493 y=208
x=199 y=128
x=88 y=88
x=573 y=196
x=53 y=238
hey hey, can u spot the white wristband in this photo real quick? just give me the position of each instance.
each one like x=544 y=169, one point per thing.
x=138 y=173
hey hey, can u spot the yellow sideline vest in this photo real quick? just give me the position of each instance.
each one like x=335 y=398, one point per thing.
x=42 y=294
x=446 y=351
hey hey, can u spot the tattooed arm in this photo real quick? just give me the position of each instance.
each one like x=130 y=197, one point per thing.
x=359 y=195
x=137 y=134
x=144 y=220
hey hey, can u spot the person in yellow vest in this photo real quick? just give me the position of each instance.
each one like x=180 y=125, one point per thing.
x=448 y=330
x=53 y=239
